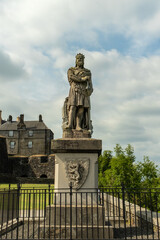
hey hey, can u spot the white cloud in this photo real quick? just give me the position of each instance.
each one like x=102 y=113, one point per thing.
x=39 y=40
x=10 y=69
x=57 y=23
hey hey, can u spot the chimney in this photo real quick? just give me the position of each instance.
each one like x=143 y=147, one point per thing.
x=21 y=124
x=22 y=118
x=10 y=118
x=40 y=118
x=0 y=117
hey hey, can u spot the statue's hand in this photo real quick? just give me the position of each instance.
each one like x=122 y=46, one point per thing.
x=85 y=78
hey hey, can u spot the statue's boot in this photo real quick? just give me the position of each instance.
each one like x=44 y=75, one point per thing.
x=78 y=126
x=79 y=119
x=71 y=117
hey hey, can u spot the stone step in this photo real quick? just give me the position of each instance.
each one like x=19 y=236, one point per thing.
x=78 y=232
x=61 y=215
x=12 y=224
x=114 y=221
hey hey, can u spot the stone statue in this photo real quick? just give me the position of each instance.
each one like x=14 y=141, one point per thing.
x=76 y=109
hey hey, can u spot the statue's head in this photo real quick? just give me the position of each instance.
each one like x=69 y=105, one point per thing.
x=80 y=60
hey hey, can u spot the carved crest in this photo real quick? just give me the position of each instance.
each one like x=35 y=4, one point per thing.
x=77 y=171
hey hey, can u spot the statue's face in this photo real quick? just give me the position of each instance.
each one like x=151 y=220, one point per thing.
x=79 y=61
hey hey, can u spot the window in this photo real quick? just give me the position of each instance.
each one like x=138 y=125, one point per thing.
x=30 y=144
x=30 y=133
x=10 y=134
x=12 y=145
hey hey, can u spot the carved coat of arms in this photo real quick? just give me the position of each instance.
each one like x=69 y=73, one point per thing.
x=77 y=171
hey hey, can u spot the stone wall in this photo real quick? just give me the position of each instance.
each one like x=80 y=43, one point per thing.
x=42 y=165
x=20 y=167
x=135 y=214
x=36 y=166
x=4 y=162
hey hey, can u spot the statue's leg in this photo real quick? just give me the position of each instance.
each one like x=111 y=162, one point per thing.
x=79 y=118
x=72 y=112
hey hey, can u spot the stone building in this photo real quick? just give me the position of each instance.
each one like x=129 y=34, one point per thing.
x=26 y=137
x=28 y=144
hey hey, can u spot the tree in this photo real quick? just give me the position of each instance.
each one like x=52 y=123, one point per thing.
x=149 y=173
x=103 y=165
x=104 y=161
x=121 y=168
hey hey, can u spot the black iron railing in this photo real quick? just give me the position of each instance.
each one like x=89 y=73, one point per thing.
x=106 y=213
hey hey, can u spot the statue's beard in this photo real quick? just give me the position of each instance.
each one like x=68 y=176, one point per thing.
x=80 y=65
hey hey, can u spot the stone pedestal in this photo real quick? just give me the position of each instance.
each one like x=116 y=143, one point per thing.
x=76 y=222
x=76 y=162
x=76 y=212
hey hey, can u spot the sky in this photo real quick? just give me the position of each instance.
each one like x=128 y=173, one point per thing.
x=121 y=43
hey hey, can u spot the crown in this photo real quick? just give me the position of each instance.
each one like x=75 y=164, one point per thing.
x=80 y=55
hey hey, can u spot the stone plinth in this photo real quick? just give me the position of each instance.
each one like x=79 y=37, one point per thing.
x=78 y=222
x=76 y=161
x=73 y=133
x=76 y=212
x=80 y=215
x=76 y=145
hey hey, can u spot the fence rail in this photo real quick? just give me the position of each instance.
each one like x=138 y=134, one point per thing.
x=106 y=213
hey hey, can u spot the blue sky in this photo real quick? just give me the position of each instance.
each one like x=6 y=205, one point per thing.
x=121 y=43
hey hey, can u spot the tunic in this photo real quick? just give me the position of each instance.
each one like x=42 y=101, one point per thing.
x=79 y=90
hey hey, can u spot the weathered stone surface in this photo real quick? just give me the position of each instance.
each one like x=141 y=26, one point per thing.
x=85 y=232
x=42 y=165
x=20 y=166
x=76 y=109
x=78 y=223
x=91 y=214
x=36 y=166
x=73 y=133
x=61 y=175
x=75 y=145
x=76 y=151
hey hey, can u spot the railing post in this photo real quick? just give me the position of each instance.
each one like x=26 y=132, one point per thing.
x=124 y=208
x=49 y=188
x=18 y=196
x=123 y=200
x=70 y=185
x=44 y=213
x=49 y=209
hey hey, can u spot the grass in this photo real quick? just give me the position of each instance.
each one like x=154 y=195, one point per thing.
x=25 y=186
x=32 y=196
